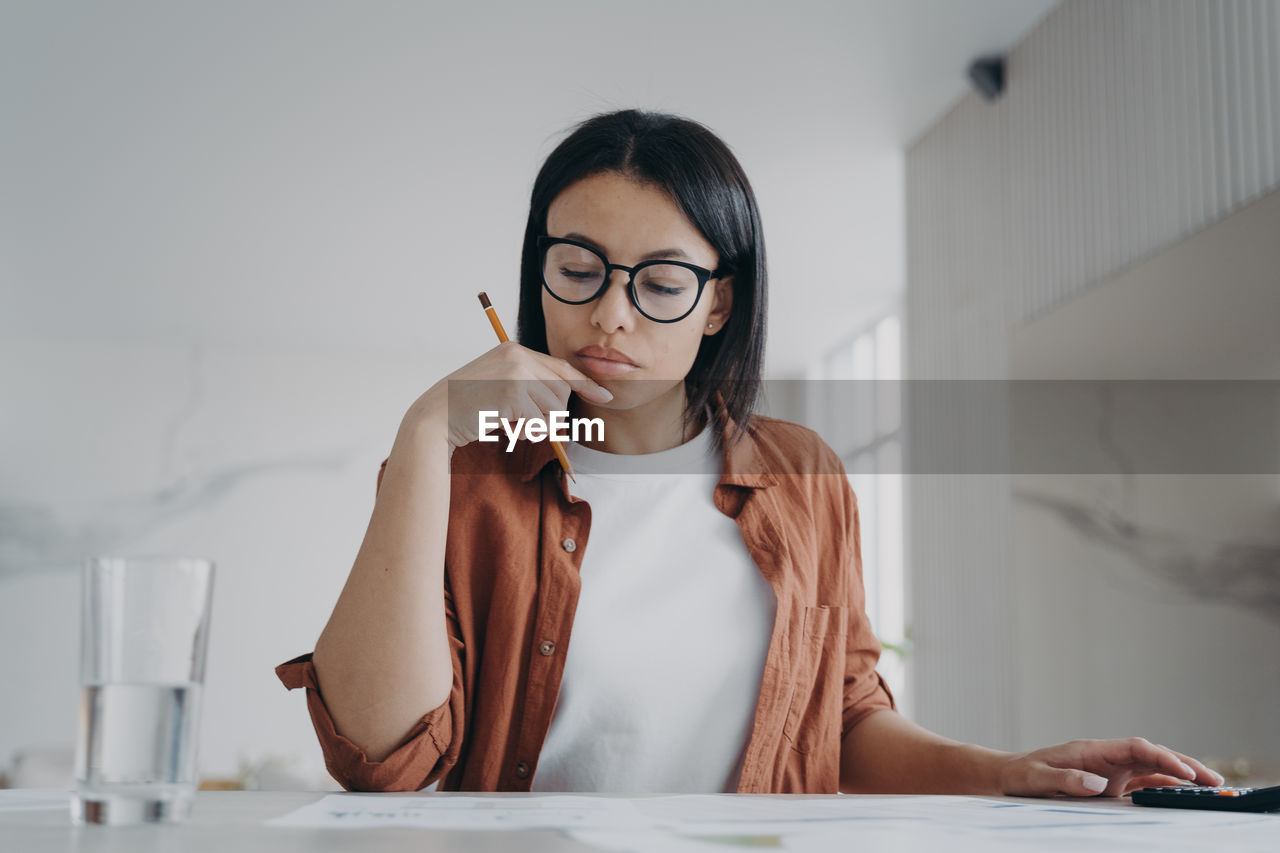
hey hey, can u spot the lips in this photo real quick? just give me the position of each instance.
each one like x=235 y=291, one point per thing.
x=606 y=354
x=604 y=361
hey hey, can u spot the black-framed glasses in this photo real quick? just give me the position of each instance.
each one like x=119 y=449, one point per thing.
x=663 y=291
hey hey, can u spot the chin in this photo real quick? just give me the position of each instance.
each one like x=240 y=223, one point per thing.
x=632 y=393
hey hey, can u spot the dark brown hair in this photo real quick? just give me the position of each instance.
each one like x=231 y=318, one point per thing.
x=698 y=171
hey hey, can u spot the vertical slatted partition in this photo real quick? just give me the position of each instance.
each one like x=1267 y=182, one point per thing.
x=1124 y=127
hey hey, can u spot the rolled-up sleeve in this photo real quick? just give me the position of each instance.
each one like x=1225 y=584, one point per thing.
x=865 y=691
x=426 y=753
x=421 y=758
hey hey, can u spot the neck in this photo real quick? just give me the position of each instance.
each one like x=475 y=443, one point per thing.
x=648 y=428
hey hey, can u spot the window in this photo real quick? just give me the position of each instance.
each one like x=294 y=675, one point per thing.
x=862 y=421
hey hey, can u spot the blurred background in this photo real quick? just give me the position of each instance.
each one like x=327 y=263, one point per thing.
x=237 y=240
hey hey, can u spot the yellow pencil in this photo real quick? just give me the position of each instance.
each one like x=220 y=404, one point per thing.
x=502 y=338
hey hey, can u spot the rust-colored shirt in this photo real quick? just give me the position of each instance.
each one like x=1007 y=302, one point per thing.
x=516 y=540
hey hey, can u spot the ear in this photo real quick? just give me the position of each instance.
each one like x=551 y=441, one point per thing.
x=720 y=307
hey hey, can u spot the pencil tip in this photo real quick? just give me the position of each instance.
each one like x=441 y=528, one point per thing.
x=571 y=477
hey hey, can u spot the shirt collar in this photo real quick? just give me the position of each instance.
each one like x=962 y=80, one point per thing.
x=744 y=463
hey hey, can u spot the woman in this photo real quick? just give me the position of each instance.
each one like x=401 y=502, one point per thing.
x=720 y=641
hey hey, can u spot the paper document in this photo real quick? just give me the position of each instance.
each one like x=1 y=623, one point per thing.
x=924 y=824
x=693 y=822
x=567 y=811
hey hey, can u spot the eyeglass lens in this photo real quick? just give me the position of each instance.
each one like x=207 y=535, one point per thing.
x=664 y=291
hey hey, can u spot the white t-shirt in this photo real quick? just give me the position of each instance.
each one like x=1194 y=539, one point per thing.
x=668 y=644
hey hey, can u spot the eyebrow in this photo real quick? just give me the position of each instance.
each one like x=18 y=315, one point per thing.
x=661 y=254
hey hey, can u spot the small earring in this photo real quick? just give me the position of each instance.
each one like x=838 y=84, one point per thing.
x=711 y=325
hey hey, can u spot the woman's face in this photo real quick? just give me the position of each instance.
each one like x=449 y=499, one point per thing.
x=625 y=221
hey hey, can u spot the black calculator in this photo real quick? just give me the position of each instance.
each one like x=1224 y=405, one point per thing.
x=1202 y=797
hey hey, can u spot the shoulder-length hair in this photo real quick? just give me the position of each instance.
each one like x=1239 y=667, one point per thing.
x=700 y=174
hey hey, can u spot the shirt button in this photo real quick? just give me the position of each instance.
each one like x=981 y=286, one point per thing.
x=570 y=545
x=522 y=770
x=546 y=647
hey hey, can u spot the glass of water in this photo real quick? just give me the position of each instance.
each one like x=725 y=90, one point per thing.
x=145 y=631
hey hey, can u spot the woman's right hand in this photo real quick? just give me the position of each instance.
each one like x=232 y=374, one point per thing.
x=512 y=380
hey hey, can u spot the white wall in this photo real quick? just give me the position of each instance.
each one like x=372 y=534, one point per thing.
x=231 y=237
x=1151 y=602
x=264 y=461
x=1125 y=129
x=237 y=240
x=1168 y=630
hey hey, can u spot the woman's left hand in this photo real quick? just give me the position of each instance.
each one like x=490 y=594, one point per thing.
x=1088 y=768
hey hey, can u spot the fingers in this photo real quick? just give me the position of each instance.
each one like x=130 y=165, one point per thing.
x=591 y=390
x=1146 y=756
x=1087 y=768
x=545 y=399
x=1140 y=755
x=1048 y=780
x=1204 y=775
x=510 y=360
x=578 y=381
x=513 y=362
x=1155 y=780
x=560 y=370
x=511 y=381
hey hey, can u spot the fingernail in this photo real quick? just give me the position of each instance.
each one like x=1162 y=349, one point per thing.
x=1095 y=783
x=1187 y=772
x=605 y=393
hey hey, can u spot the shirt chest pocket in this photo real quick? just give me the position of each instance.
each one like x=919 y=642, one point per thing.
x=814 y=713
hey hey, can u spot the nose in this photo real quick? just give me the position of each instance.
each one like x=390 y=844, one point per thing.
x=613 y=311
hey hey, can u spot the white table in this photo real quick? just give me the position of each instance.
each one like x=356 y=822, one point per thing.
x=233 y=822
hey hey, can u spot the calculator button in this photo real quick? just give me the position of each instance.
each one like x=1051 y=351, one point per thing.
x=1228 y=793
